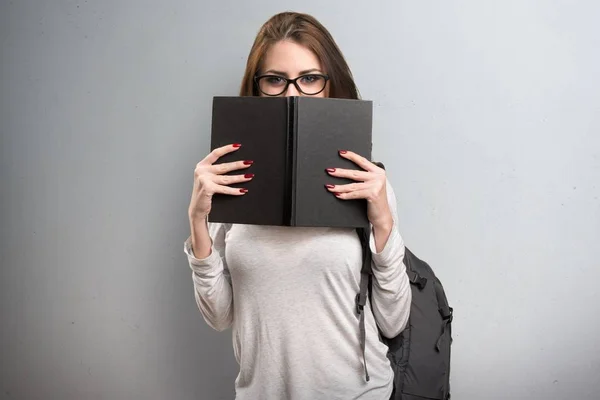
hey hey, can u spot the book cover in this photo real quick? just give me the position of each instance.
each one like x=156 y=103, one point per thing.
x=292 y=140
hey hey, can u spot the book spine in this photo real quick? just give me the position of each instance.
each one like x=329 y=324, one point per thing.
x=291 y=164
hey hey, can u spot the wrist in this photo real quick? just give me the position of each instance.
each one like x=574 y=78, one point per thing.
x=383 y=224
x=196 y=217
x=383 y=219
x=201 y=241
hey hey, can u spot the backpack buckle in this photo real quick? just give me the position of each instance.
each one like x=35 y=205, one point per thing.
x=359 y=307
x=416 y=279
x=450 y=315
x=446 y=313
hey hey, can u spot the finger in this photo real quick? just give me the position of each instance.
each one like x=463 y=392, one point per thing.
x=229 y=190
x=358 y=194
x=219 y=152
x=227 y=180
x=220 y=169
x=350 y=174
x=359 y=160
x=351 y=187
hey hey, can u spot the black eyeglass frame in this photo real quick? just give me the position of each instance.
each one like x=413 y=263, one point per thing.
x=288 y=81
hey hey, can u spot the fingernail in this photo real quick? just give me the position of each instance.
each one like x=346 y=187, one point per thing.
x=243 y=190
x=248 y=162
x=343 y=151
x=247 y=176
x=329 y=186
x=330 y=170
x=337 y=194
x=237 y=145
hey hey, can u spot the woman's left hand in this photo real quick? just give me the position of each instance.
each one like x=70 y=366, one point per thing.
x=370 y=185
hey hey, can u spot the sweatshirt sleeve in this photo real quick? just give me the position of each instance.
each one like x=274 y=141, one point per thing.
x=391 y=293
x=212 y=282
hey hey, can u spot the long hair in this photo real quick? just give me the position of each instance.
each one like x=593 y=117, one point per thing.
x=304 y=30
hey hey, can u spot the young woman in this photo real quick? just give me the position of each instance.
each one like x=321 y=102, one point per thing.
x=289 y=292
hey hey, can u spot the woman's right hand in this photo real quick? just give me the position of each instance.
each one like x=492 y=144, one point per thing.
x=209 y=179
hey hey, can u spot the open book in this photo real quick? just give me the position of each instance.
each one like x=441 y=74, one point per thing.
x=292 y=140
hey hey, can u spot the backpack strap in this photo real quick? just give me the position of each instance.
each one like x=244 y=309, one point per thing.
x=365 y=279
x=445 y=311
x=361 y=297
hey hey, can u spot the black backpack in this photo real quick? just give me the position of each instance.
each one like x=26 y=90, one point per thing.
x=420 y=354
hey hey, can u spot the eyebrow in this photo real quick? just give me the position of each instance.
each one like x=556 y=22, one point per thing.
x=308 y=71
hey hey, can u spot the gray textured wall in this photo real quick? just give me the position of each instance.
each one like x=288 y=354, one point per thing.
x=487 y=117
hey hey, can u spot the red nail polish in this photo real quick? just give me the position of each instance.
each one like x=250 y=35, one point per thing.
x=329 y=186
x=247 y=176
x=337 y=194
x=330 y=170
x=248 y=162
x=243 y=190
x=343 y=151
x=236 y=145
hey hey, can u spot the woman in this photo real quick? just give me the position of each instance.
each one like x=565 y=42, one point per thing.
x=289 y=292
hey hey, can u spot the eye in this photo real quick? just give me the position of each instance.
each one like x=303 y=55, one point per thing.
x=274 y=80
x=311 y=79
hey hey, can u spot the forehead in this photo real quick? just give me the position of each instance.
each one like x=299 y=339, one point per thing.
x=291 y=58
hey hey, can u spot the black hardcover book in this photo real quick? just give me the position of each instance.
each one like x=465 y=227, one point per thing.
x=292 y=140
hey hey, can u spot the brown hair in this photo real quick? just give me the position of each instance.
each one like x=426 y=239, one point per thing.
x=304 y=30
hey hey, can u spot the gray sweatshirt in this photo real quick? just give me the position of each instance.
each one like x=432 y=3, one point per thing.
x=288 y=293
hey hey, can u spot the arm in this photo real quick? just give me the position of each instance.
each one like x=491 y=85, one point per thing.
x=205 y=247
x=391 y=293
x=212 y=283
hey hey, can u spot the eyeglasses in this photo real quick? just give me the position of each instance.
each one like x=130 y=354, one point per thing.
x=275 y=85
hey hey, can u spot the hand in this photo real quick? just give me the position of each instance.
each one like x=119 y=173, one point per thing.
x=209 y=179
x=371 y=186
